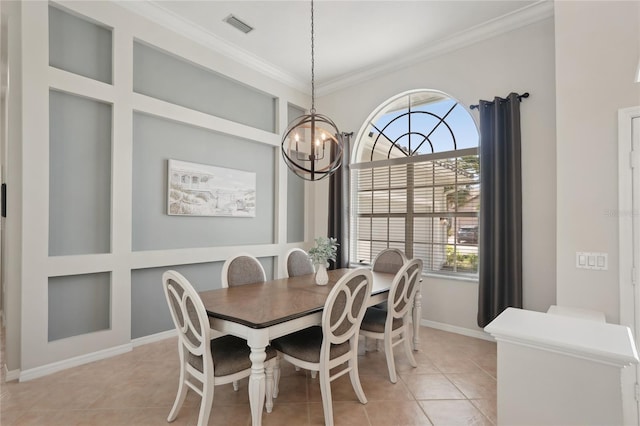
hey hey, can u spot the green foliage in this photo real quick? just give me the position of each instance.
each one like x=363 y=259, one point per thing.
x=325 y=250
x=463 y=262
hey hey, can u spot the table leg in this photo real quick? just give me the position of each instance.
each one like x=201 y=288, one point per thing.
x=417 y=316
x=257 y=384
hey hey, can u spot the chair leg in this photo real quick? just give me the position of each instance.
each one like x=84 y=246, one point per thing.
x=206 y=403
x=235 y=385
x=276 y=375
x=269 y=366
x=313 y=374
x=355 y=378
x=180 y=397
x=388 y=353
x=325 y=391
x=406 y=335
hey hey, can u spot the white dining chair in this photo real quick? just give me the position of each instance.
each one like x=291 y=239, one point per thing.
x=335 y=342
x=392 y=325
x=242 y=269
x=298 y=263
x=389 y=260
x=206 y=362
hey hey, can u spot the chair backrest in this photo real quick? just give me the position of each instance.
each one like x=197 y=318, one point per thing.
x=404 y=288
x=298 y=263
x=190 y=318
x=242 y=269
x=345 y=306
x=389 y=260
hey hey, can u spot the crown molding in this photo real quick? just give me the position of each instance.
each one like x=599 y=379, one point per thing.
x=168 y=19
x=535 y=12
x=155 y=12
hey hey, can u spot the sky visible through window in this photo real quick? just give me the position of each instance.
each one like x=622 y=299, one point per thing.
x=402 y=129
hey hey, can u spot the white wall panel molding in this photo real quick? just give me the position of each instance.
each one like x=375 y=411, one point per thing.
x=159 y=258
x=159 y=108
x=35 y=175
x=38 y=356
x=84 y=264
x=75 y=84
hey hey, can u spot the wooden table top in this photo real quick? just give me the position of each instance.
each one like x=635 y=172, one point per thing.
x=265 y=304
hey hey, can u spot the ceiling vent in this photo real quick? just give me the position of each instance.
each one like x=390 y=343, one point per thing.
x=237 y=23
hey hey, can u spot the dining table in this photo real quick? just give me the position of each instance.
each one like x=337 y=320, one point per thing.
x=261 y=312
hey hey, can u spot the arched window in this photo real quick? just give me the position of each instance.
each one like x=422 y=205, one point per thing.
x=416 y=183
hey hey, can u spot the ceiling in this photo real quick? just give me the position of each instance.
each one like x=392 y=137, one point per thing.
x=353 y=39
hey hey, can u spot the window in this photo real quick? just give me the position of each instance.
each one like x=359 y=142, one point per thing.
x=415 y=183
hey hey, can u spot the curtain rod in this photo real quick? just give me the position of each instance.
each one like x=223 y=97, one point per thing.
x=524 y=95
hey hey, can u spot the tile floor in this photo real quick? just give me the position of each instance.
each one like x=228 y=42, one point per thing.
x=454 y=384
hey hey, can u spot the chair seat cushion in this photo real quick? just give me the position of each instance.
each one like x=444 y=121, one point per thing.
x=374 y=320
x=230 y=355
x=305 y=345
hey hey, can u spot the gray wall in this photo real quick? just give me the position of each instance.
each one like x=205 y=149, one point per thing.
x=79 y=175
x=295 y=194
x=200 y=89
x=79 y=304
x=149 y=310
x=79 y=46
x=157 y=140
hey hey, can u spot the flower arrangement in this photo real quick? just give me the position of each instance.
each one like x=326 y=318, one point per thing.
x=325 y=250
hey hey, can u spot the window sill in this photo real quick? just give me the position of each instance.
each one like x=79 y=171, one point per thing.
x=468 y=279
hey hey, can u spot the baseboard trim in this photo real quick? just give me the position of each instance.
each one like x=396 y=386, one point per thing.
x=478 y=334
x=154 y=338
x=12 y=375
x=45 y=370
x=34 y=373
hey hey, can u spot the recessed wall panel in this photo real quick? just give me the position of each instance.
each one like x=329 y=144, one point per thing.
x=157 y=140
x=198 y=88
x=79 y=175
x=295 y=194
x=79 y=304
x=150 y=313
x=79 y=46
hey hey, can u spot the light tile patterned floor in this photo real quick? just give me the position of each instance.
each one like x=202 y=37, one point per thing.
x=454 y=384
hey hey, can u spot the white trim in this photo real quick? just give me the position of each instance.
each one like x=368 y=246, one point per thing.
x=12 y=375
x=153 y=11
x=526 y=16
x=627 y=290
x=625 y=224
x=153 y=338
x=478 y=334
x=54 y=367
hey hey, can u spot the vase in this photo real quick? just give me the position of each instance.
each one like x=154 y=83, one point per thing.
x=321 y=274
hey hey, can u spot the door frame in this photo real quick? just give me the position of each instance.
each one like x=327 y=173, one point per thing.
x=629 y=241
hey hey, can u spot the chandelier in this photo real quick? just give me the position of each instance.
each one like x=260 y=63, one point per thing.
x=312 y=144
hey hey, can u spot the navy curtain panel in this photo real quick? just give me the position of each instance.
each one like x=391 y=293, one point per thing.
x=338 y=226
x=500 y=243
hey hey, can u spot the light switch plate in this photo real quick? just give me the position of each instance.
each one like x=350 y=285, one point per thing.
x=592 y=260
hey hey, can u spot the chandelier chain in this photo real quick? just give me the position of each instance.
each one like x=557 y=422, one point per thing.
x=313 y=86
